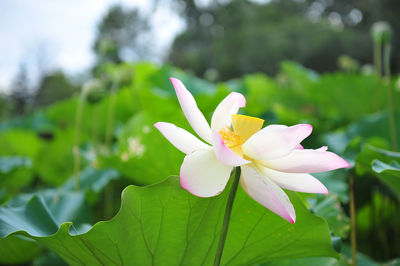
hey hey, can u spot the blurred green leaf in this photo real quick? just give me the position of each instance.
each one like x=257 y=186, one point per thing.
x=56 y=166
x=262 y=93
x=329 y=207
x=336 y=182
x=306 y=261
x=389 y=174
x=91 y=182
x=19 y=142
x=382 y=163
x=143 y=154
x=91 y=179
x=11 y=163
x=15 y=174
x=371 y=128
x=50 y=208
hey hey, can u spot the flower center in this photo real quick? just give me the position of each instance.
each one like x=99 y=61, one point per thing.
x=243 y=128
x=246 y=126
x=231 y=139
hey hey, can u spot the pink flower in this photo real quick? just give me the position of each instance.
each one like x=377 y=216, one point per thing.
x=270 y=158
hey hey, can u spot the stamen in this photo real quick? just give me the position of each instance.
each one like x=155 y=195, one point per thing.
x=231 y=139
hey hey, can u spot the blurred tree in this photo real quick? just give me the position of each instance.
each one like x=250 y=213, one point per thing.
x=118 y=36
x=237 y=37
x=361 y=15
x=5 y=107
x=53 y=87
x=19 y=95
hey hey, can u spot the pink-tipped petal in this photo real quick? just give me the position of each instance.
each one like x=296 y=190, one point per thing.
x=180 y=138
x=189 y=107
x=299 y=147
x=222 y=116
x=294 y=181
x=224 y=154
x=203 y=175
x=307 y=161
x=267 y=193
x=275 y=141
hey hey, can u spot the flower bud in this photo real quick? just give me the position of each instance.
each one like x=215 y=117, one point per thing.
x=124 y=75
x=347 y=63
x=381 y=32
x=107 y=47
x=397 y=84
x=94 y=91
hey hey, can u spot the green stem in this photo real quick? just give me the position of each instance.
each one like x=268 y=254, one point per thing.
x=378 y=58
x=78 y=119
x=392 y=121
x=95 y=127
x=227 y=217
x=110 y=114
x=353 y=223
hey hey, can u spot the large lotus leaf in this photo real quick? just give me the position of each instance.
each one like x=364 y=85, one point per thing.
x=163 y=224
x=18 y=249
x=48 y=258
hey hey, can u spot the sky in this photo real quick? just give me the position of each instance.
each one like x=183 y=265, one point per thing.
x=61 y=33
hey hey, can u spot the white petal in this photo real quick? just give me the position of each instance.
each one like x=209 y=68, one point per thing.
x=224 y=154
x=267 y=193
x=294 y=181
x=203 y=175
x=275 y=141
x=189 y=107
x=222 y=116
x=307 y=161
x=180 y=138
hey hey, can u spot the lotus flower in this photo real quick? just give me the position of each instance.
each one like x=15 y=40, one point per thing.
x=270 y=158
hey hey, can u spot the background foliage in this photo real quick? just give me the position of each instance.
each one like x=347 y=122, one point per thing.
x=38 y=163
x=70 y=147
